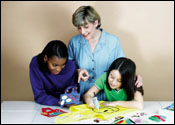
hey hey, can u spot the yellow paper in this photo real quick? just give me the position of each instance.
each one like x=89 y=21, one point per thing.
x=82 y=112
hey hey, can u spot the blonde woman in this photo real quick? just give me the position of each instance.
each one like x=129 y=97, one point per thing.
x=93 y=50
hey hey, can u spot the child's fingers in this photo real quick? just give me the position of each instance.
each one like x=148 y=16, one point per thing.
x=91 y=105
x=104 y=104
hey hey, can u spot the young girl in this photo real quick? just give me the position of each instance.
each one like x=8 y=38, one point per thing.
x=119 y=86
x=51 y=73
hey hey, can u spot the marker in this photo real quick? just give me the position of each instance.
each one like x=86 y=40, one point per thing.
x=132 y=121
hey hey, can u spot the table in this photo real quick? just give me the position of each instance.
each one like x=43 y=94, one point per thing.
x=28 y=112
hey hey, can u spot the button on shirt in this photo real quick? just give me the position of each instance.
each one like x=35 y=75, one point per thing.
x=107 y=50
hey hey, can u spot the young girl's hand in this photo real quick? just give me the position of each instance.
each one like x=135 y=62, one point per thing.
x=108 y=104
x=91 y=104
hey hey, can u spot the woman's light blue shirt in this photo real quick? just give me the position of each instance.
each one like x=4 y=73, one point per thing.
x=107 y=50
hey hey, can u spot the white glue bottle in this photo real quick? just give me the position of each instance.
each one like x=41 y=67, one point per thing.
x=95 y=101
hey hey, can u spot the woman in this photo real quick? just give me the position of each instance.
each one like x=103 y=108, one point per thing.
x=51 y=73
x=93 y=50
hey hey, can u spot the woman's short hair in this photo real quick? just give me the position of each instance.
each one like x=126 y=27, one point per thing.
x=85 y=14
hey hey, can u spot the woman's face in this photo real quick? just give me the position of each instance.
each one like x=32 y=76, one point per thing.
x=55 y=64
x=114 y=79
x=88 y=30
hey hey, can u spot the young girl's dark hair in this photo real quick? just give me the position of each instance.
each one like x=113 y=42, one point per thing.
x=127 y=69
x=53 y=48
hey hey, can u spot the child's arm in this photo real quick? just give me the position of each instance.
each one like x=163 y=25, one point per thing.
x=88 y=97
x=136 y=103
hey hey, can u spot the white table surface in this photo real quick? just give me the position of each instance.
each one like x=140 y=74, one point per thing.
x=28 y=112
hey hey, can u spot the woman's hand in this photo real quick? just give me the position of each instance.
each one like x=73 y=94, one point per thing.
x=139 y=81
x=83 y=75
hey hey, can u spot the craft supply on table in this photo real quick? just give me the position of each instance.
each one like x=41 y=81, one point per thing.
x=97 y=120
x=118 y=120
x=129 y=121
x=167 y=110
x=70 y=98
x=157 y=118
x=95 y=101
x=49 y=112
x=145 y=118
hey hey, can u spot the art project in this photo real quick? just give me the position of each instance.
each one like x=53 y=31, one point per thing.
x=144 y=118
x=49 y=112
x=82 y=112
x=70 y=98
x=167 y=110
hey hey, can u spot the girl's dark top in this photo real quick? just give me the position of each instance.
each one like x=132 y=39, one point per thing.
x=48 y=87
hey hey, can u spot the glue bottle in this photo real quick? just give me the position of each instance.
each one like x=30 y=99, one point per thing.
x=95 y=101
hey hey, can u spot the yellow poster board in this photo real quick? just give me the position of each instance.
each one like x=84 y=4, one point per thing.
x=82 y=112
